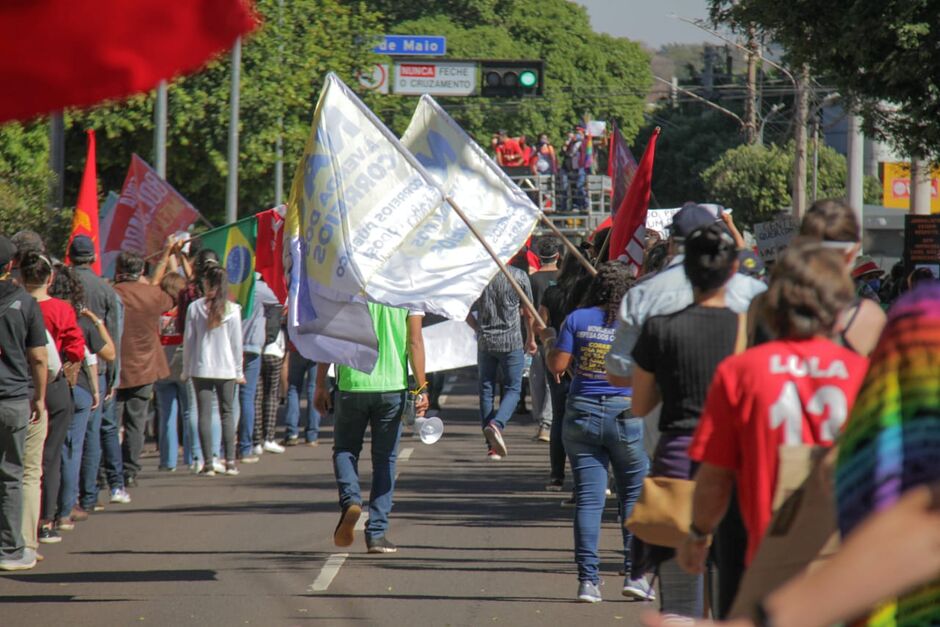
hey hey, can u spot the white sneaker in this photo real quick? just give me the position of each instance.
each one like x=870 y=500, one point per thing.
x=218 y=466
x=257 y=449
x=196 y=467
x=271 y=446
x=120 y=495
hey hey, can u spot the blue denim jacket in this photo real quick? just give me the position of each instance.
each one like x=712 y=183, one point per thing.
x=666 y=293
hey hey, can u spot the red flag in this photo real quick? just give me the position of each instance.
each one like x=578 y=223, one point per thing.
x=148 y=211
x=67 y=53
x=629 y=229
x=85 y=219
x=269 y=251
x=621 y=166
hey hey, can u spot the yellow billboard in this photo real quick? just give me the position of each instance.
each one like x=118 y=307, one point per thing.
x=897 y=187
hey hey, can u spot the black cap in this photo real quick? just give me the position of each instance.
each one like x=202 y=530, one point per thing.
x=7 y=251
x=690 y=218
x=82 y=248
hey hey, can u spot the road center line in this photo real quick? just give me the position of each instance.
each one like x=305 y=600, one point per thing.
x=405 y=454
x=328 y=572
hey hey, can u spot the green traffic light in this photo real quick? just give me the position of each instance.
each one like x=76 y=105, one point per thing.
x=528 y=78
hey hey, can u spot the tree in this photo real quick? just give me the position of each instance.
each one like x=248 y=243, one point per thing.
x=693 y=138
x=881 y=55
x=754 y=180
x=283 y=67
x=25 y=177
x=587 y=74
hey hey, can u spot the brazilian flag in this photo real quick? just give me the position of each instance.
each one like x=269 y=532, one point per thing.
x=235 y=245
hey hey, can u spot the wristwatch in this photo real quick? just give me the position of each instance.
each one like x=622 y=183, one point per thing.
x=696 y=535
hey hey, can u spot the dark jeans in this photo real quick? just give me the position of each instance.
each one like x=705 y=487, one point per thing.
x=729 y=550
x=509 y=367
x=223 y=390
x=133 y=408
x=246 y=402
x=381 y=411
x=72 y=450
x=60 y=407
x=435 y=388
x=599 y=432
x=92 y=450
x=14 y=418
x=556 y=452
x=301 y=378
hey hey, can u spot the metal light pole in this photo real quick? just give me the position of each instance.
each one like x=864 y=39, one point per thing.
x=279 y=143
x=231 y=184
x=159 y=130
x=57 y=160
x=920 y=185
x=855 y=181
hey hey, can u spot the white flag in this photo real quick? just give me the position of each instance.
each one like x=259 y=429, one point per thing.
x=454 y=264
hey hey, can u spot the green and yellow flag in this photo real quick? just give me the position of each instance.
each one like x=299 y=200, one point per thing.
x=235 y=245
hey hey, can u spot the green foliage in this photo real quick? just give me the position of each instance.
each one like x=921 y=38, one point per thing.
x=693 y=137
x=882 y=55
x=586 y=73
x=755 y=180
x=283 y=67
x=25 y=177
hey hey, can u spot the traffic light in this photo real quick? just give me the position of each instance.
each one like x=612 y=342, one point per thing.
x=511 y=79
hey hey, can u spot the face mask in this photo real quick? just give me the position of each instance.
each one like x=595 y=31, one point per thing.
x=875 y=284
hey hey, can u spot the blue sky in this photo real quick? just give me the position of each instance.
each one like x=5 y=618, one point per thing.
x=648 y=20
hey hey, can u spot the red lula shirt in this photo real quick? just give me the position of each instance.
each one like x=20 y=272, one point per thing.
x=63 y=327
x=786 y=392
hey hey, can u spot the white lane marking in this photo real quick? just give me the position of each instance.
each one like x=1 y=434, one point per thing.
x=360 y=524
x=328 y=572
x=405 y=454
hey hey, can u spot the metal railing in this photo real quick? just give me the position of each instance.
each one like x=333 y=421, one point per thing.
x=556 y=196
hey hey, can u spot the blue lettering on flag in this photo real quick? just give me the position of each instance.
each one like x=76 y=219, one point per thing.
x=442 y=156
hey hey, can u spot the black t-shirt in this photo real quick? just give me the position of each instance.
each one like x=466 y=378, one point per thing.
x=93 y=343
x=541 y=281
x=683 y=350
x=554 y=299
x=21 y=327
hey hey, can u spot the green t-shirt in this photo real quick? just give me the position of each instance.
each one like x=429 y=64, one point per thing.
x=391 y=369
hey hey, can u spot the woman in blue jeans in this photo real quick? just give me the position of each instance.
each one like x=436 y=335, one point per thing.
x=599 y=429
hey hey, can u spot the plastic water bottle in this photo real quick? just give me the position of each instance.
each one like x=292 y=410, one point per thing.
x=430 y=429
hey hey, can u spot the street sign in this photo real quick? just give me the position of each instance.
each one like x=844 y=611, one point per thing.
x=423 y=45
x=437 y=78
x=375 y=78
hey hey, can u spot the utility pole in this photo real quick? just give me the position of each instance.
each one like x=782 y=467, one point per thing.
x=856 y=175
x=231 y=184
x=798 y=192
x=57 y=160
x=816 y=155
x=750 y=104
x=708 y=71
x=279 y=142
x=674 y=92
x=920 y=185
x=159 y=130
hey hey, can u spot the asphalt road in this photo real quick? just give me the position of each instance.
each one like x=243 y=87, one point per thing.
x=481 y=543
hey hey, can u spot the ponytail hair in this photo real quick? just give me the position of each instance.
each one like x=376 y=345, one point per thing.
x=710 y=255
x=215 y=279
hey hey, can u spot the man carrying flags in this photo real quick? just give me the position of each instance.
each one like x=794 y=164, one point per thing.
x=374 y=400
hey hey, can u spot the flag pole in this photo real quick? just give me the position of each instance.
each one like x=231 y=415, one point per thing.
x=568 y=244
x=502 y=267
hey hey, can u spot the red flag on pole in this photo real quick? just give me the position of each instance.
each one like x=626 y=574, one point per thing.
x=629 y=226
x=621 y=166
x=68 y=53
x=269 y=251
x=85 y=218
x=148 y=211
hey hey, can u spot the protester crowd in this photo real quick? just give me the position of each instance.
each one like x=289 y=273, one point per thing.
x=569 y=166
x=698 y=368
x=87 y=363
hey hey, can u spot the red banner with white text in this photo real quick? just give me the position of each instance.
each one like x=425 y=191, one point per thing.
x=148 y=211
